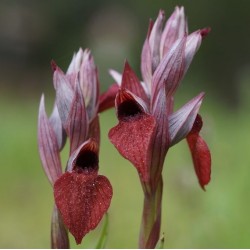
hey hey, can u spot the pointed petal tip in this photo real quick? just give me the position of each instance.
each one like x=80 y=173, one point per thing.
x=78 y=239
x=162 y=13
x=180 y=9
x=150 y=27
x=42 y=111
x=116 y=76
x=204 y=32
x=53 y=65
x=42 y=99
x=126 y=66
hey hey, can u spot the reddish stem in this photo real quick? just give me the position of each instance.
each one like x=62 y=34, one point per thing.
x=59 y=234
x=151 y=217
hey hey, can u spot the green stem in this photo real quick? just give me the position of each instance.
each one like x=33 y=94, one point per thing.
x=151 y=217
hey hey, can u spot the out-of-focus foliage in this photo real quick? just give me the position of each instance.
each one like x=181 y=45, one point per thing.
x=34 y=32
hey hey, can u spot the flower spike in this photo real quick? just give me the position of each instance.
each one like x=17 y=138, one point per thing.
x=81 y=195
x=148 y=127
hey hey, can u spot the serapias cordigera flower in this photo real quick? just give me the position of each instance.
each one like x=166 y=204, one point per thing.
x=148 y=126
x=82 y=196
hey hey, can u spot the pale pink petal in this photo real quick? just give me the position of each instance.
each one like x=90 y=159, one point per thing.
x=155 y=38
x=192 y=45
x=89 y=82
x=181 y=122
x=77 y=122
x=64 y=95
x=76 y=62
x=175 y=28
x=170 y=71
x=48 y=146
x=116 y=76
x=56 y=123
x=146 y=64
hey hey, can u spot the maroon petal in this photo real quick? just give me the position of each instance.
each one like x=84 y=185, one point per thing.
x=77 y=122
x=200 y=153
x=82 y=201
x=133 y=135
x=131 y=82
x=107 y=99
x=48 y=146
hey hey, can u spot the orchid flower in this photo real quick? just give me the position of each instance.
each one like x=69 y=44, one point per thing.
x=82 y=196
x=148 y=125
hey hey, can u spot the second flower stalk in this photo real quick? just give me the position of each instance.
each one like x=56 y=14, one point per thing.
x=148 y=126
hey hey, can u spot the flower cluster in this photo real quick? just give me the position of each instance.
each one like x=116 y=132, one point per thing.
x=82 y=196
x=148 y=125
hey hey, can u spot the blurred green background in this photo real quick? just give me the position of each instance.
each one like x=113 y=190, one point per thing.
x=34 y=32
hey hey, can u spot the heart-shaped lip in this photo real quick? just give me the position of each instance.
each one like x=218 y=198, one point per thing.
x=133 y=139
x=82 y=201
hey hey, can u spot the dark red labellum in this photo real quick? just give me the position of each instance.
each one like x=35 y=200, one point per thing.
x=82 y=201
